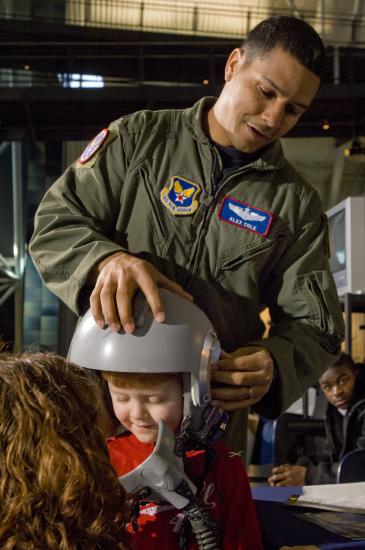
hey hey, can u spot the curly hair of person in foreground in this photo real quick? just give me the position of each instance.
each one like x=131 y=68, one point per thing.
x=58 y=489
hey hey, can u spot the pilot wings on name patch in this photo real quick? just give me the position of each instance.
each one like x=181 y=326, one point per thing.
x=245 y=216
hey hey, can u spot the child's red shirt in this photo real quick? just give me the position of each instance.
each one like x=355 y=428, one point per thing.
x=225 y=491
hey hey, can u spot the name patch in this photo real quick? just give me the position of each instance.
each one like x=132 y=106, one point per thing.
x=245 y=216
x=180 y=196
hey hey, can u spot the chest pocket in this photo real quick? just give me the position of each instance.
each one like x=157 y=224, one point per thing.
x=258 y=258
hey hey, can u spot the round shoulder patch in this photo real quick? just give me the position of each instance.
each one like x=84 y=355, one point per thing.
x=94 y=146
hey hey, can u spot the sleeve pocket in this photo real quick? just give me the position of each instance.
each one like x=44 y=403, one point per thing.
x=320 y=295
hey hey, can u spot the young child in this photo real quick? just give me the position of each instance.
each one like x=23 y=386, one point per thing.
x=344 y=387
x=58 y=489
x=146 y=380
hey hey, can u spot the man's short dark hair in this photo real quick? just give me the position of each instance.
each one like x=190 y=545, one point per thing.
x=345 y=360
x=294 y=35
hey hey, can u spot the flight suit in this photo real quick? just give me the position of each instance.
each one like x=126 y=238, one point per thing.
x=152 y=185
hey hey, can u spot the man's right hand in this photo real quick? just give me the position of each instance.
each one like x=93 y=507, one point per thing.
x=288 y=475
x=117 y=277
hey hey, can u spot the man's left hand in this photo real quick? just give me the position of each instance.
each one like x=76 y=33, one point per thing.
x=246 y=374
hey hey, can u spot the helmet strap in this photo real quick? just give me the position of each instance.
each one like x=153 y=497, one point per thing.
x=200 y=426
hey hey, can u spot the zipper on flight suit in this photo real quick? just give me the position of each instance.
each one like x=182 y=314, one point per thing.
x=200 y=215
x=208 y=211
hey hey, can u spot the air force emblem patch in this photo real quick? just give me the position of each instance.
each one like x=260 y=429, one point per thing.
x=245 y=216
x=180 y=196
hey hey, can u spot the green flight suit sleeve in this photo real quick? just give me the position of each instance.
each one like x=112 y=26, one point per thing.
x=75 y=221
x=307 y=321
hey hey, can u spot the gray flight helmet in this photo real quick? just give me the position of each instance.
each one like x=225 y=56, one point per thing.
x=186 y=343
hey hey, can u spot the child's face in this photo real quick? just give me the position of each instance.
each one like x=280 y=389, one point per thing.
x=338 y=384
x=139 y=410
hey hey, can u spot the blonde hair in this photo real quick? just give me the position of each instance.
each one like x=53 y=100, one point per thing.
x=57 y=486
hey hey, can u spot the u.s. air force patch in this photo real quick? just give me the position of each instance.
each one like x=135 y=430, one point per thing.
x=180 y=196
x=245 y=216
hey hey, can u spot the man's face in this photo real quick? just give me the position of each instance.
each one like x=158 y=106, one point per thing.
x=338 y=383
x=262 y=99
x=139 y=410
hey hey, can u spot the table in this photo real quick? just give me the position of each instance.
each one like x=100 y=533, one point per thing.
x=282 y=525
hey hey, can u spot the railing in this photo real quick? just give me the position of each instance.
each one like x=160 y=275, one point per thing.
x=213 y=18
x=20 y=78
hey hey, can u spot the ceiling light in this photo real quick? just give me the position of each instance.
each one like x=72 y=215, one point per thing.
x=355 y=148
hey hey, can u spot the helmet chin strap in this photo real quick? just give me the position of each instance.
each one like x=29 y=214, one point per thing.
x=201 y=425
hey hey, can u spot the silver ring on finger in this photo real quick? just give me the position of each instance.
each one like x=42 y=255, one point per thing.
x=250 y=392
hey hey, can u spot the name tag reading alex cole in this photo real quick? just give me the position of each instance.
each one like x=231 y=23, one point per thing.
x=245 y=216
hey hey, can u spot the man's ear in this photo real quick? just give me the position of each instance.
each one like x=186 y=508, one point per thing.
x=234 y=61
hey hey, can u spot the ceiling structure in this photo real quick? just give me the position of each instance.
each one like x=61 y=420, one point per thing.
x=337 y=21
x=156 y=54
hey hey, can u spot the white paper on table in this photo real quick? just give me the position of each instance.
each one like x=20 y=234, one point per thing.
x=346 y=497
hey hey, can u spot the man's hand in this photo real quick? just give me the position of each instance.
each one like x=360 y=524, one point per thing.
x=287 y=475
x=246 y=374
x=117 y=277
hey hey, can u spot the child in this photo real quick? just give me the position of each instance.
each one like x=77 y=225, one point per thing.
x=58 y=489
x=146 y=377
x=343 y=385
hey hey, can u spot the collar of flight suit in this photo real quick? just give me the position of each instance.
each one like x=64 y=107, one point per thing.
x=272 y=157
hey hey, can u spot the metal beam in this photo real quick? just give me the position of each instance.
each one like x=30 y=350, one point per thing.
x=11 y=277
x=7 y=294
x=19 y=244
x=356 y=23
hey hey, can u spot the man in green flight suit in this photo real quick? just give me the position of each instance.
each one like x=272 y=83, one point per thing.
x=201 y=201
